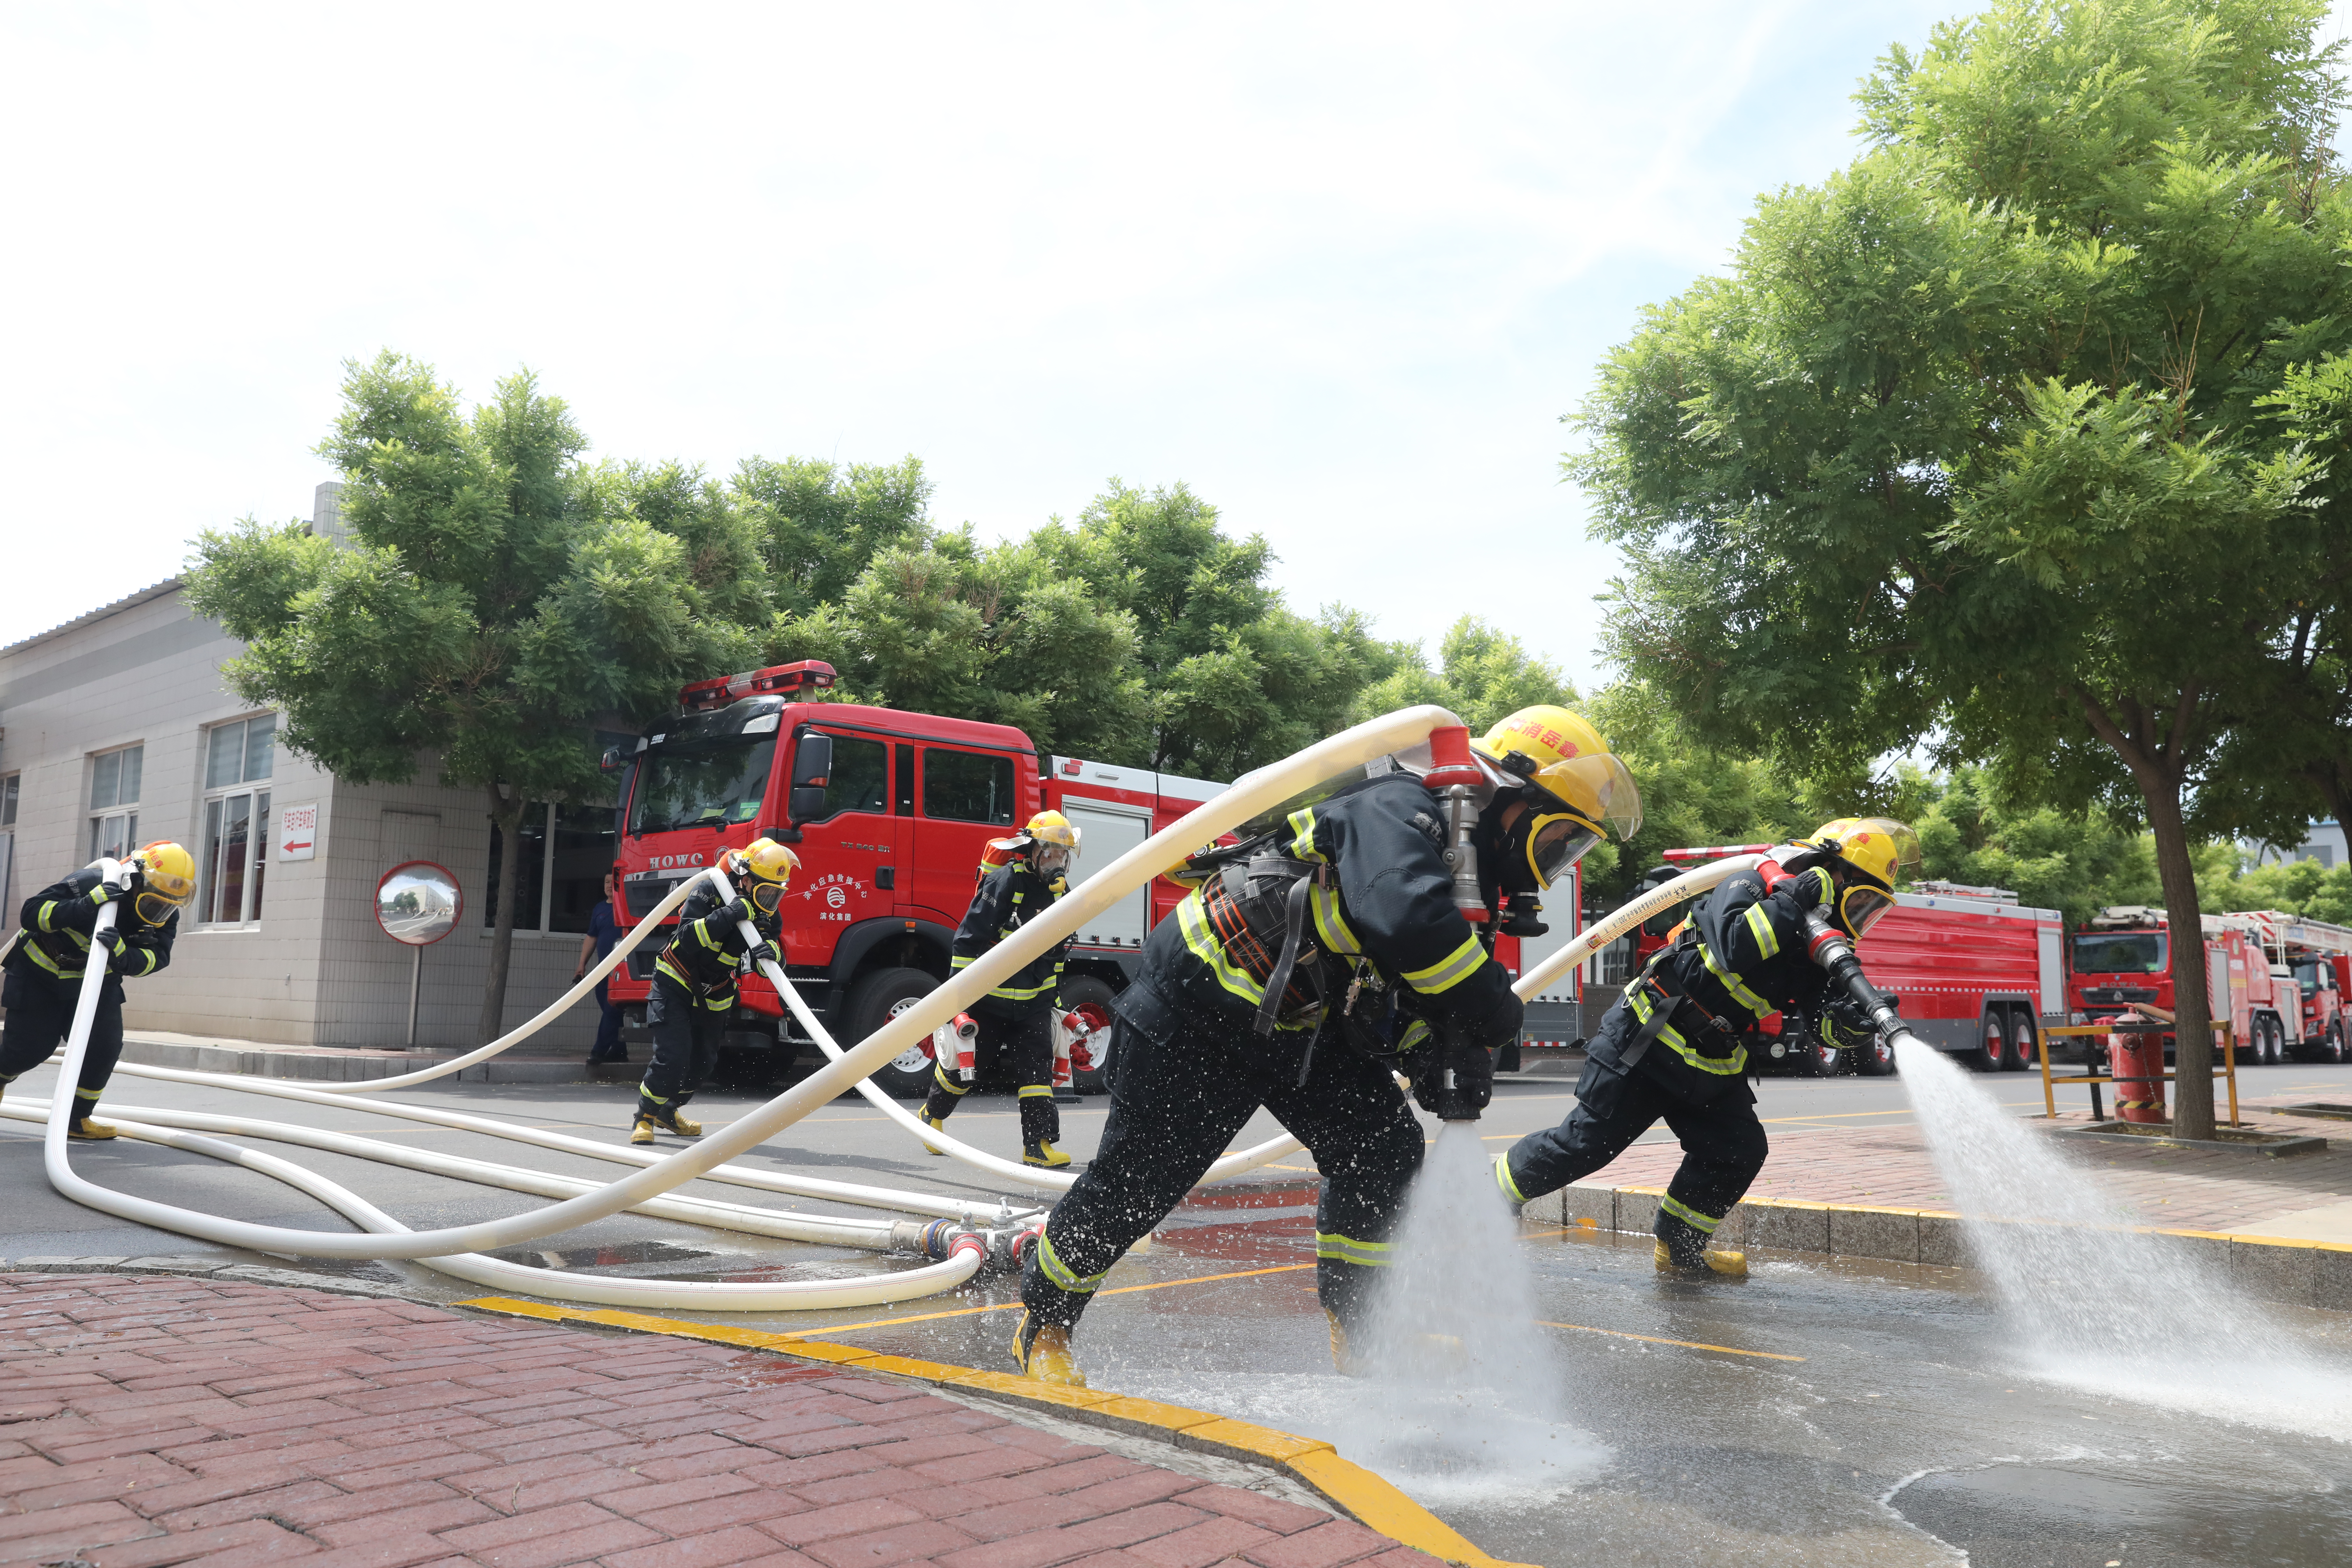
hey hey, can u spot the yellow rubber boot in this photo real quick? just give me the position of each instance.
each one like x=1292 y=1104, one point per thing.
x=680 y=1124
x=939 y=1123
x=1043 y=1351
x=82 y=1129
x=1343 y=1361
x=643 y=1132
x=1729 y=1265
x=1043 y=1153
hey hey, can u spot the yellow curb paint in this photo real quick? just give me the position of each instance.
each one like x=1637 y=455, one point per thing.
x=1354 y=1490
x=1654 y=1340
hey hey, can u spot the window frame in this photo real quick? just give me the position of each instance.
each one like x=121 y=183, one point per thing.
x=213 y=803
x=1002 y=761
x=97 y=815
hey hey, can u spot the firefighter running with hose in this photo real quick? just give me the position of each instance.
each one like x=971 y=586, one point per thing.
x=1307 y=963
x=1020 y=878
x=45 y=964
x=1673 y=1046
x=694 y=985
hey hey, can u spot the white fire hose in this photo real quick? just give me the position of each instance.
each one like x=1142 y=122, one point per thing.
x=451 y=1249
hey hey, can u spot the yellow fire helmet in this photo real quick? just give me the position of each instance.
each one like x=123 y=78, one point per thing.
x=1054 y=840
x=765 y=868
x=167 y=881
x=1554 y=751
x=1876 y=853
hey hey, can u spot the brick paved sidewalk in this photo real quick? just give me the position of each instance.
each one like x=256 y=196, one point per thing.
x=146 y=1423
x=2190 y=1189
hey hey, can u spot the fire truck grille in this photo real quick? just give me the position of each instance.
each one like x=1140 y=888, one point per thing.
x=2118 y=994
x=643 y=893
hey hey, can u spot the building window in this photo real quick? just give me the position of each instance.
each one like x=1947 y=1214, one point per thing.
x=238 y=760
x=557 y=892
x=8 y=800
x=8 y=849
x=967 y=787
x=114 y=780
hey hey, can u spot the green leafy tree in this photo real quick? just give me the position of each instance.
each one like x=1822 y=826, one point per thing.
x=821 y=523
x=1972 y=439
x=2076 y=864
x=497 y=598
x=1482 y=674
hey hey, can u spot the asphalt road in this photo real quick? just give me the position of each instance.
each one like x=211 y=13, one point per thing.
x=1819 y=1413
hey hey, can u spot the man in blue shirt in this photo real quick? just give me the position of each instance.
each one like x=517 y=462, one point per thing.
x=603 y=931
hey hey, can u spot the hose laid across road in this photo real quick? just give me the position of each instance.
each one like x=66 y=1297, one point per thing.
x=386 y=1239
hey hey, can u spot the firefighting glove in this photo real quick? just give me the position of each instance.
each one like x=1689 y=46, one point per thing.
x=767 y=951
x=121 y=958
x=1848 y=1026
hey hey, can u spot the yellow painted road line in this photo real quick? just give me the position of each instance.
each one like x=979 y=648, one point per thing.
x=1654 y=1340
x=1015 y=1306
x=1356 y=1492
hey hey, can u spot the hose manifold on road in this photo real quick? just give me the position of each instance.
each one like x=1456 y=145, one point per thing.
x=962 y=1237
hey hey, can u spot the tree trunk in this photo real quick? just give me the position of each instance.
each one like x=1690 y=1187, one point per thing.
x=507 y=817
x=2192 y=1086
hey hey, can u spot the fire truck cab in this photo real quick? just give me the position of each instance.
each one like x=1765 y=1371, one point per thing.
x=2125 y=956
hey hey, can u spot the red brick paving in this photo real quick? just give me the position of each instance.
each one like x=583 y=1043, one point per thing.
x=2187 y=1189
x=163 y=1422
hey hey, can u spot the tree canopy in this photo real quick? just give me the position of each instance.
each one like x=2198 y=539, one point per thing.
x=1974 y=440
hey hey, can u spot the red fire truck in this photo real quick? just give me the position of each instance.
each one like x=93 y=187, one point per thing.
x=2252 y=976
x=890 y=812
x=1978 y=972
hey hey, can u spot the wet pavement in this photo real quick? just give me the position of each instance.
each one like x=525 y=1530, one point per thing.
x=1819 y=1413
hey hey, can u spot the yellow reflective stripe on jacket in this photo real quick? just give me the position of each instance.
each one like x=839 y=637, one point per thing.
x=939 y=1076
x=1450 y=970
x=1192 y=925
x=1722 y=1067
x=1503 y=1180
x=960 y=960
x=1348 y=1250
x=1731 y=980
x=1331 y=923
x=1302 y=844
x=1026 y=992
x=32 y=951
x=1688 y=1216
x=1050 y=1264
x=1759 y=926
x=1036 y=1091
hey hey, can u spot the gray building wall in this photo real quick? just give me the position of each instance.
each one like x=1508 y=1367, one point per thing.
x=315 y=969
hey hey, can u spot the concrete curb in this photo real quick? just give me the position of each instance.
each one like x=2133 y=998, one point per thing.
x=1354 y=1490
x=2268 y=1268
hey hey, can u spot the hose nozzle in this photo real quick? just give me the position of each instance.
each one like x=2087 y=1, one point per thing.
x=1453 y=1104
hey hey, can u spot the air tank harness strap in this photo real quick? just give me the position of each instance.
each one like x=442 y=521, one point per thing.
x=1663 y=1005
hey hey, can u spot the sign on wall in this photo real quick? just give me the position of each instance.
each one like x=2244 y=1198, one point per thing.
x=298 y=831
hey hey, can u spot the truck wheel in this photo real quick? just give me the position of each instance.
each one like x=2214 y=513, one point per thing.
x=2274 y=1042
x=1875 y=1059
x=2332 y=1049
x=873 y=1001
x=2021 y=1056
x=1991 y=1053
x=1078 y=990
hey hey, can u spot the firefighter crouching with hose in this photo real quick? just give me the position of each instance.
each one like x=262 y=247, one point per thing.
x=1020 y=878
x=694 y=983
x=1673 y=1048
x=45 y=964
x=1311 y=961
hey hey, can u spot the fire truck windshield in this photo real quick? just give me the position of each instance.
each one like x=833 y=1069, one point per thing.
x=2120 y=953
x=714 y=782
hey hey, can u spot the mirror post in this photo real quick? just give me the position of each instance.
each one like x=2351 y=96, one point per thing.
x=415 y=985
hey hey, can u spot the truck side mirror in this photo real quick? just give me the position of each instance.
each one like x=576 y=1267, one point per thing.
x=612 y=762
x=811 y=772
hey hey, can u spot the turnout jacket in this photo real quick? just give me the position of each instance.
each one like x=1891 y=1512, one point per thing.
x=706 y=951
x=1739 y=958
x=1381 y=893
x=59 y=920
x=1008 y=898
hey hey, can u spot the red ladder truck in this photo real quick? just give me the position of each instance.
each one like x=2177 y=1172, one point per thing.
x=889 y=812
x=2320 y=957
x=1979 y=973
x=2125 y=955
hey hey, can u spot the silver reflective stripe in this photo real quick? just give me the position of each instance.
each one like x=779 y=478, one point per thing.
x=1687 y=1215
x=1348 y=1250
x=1050 y=1264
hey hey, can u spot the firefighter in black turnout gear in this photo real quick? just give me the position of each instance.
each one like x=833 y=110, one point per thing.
x=1020 y=878
x=1675 y=1045
x=46 y=962
x=1307 y=963
x=694 y=985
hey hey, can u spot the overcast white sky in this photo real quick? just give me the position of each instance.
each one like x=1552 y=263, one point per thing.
x=1340 y=268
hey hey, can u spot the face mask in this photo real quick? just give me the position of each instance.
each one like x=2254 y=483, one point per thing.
x=767 y=897
x=1538 y=849
x=1861 y=907
x=1050 y=860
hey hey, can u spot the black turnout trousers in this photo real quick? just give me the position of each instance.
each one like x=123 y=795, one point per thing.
x=686 y=1037
x=1177 y=1104
x=1024 y=1031
x=1723 y=1142
x=40 y=1014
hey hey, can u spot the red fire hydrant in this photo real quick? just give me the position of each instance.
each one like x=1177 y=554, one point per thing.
x=2136 y=1061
